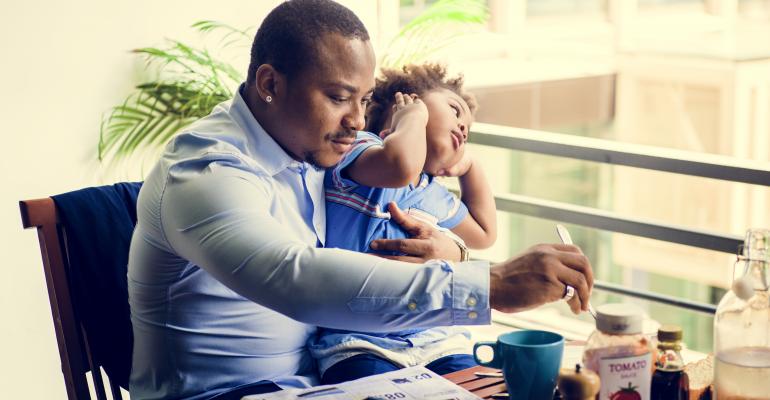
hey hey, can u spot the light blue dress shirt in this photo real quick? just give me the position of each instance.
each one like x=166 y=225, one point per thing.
x=226 y=281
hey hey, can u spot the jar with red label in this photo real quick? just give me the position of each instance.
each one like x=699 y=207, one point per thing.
x=620 y=354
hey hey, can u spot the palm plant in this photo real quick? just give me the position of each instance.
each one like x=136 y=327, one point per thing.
x=434 y=29
x=191 y=81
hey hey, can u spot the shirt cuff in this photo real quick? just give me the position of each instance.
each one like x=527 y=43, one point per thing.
x=470 y=293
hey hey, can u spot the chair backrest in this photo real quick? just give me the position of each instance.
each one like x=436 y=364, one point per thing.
x=84 y=239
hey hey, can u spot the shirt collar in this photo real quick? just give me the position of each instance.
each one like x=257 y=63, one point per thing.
x=261 y=146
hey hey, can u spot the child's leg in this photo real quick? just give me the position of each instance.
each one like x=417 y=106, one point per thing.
x=356 y=367
x=451 y=363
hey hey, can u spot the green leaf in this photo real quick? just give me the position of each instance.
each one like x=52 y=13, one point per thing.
x=211 y=26
x=433 y=29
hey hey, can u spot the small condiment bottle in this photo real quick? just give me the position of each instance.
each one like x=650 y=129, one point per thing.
x=578 y=383
x=669 y=382
x=619 y=353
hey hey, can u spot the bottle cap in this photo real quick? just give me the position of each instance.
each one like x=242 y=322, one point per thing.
x=619 y=318
x=670 y=333
x=743 y=287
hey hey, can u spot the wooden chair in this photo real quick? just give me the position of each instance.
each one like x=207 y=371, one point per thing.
x=75 y=349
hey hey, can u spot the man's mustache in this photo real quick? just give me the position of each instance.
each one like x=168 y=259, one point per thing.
x=343 y=135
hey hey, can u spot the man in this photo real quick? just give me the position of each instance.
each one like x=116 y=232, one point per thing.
x=228 y=276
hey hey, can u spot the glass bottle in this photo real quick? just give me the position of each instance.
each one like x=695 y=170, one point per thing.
x=620 y=353
x=742 y=326
x=669 y=382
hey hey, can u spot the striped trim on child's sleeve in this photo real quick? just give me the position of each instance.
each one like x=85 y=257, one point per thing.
x=455 y=207
x=363 y=142
x=356 y=202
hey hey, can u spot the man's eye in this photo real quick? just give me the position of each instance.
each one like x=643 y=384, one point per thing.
x=366 y=101
x=338 y=99
x=456 y=110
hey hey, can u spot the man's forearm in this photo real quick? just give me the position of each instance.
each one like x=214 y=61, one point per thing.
x=257 y=257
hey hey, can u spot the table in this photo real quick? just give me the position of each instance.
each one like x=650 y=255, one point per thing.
x=480 y=386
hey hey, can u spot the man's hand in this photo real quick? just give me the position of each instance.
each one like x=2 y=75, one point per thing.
x=540 y=276
x=426 y=242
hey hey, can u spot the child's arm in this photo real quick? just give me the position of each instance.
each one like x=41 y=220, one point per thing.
x=479 y=228
x=401 y=158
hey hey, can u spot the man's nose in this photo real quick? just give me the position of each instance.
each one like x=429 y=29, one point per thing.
x=464 y=130
x=354 y=120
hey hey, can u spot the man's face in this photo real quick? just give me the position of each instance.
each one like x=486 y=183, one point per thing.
x=325 y=103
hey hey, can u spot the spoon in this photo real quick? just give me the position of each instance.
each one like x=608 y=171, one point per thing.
x=563 y=233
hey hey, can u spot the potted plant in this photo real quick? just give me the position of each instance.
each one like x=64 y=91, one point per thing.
x=191 y=81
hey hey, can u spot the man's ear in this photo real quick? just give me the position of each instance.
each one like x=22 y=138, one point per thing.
x=270 y=83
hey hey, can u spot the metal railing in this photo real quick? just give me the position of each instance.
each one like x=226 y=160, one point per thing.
x=625 y=154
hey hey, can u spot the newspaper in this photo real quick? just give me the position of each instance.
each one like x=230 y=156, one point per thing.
x=404 y=384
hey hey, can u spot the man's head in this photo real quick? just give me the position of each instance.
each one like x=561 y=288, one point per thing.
x=310 y=78
x=450 y=110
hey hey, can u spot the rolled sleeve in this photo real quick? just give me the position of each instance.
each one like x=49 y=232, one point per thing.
x=462 y=289
x=470 y=293
x=458 y=212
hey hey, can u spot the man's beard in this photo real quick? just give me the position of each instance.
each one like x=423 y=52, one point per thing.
x=311 y=159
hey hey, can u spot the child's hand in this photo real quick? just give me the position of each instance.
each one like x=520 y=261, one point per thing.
x=407 y=107
x=461 y=168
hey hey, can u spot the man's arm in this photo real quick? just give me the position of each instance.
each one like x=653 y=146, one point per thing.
x=401 y=157
x=536 y=277
x=220 y=221
x=479 y=228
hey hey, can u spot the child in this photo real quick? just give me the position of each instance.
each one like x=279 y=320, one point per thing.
x=423 y=120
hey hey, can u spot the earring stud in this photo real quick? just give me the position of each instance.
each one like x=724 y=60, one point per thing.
x=269 y=99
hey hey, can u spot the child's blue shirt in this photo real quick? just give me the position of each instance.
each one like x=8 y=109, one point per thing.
x=356 y=215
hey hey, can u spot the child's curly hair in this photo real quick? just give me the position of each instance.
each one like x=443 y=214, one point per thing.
x=417 y=79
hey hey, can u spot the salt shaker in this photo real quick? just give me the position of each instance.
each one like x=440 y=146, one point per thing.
x=578 y=383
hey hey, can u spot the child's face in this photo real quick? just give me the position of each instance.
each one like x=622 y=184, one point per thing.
x=449 y=120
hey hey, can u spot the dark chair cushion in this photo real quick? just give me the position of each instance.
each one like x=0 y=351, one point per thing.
x=98 y=223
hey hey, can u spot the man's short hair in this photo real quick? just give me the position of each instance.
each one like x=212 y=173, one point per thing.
x=287 y=38
x=417 y=79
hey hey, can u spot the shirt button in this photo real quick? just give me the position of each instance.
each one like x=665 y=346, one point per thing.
x=472 y=315
x=412 y=306
x=471 y=301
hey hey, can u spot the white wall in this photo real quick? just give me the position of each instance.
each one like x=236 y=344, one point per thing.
x=63 y=64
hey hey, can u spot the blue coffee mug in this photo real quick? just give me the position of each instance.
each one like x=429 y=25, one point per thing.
x=530 y=361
